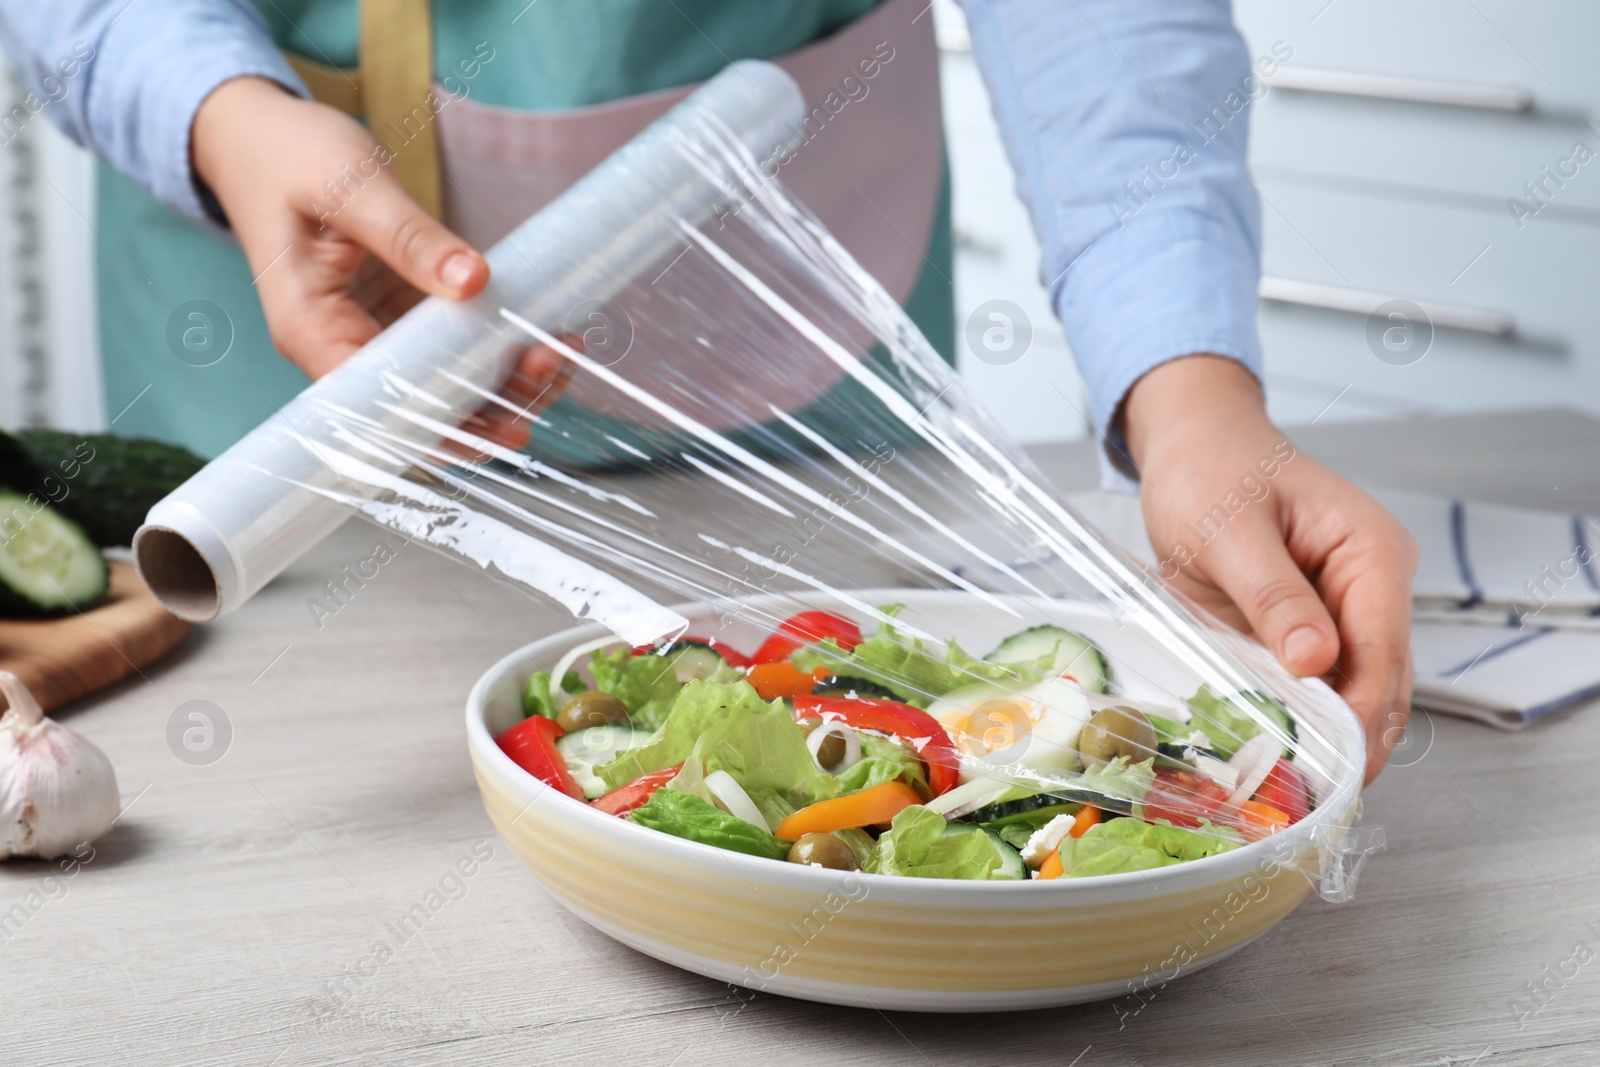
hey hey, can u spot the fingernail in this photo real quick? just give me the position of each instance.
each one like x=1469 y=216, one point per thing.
x=457 y=270
x=1303 y=641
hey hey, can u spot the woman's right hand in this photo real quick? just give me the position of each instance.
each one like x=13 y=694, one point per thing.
x=337 y=248
x=1306 y=561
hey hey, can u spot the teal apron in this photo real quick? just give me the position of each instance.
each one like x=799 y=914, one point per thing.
x=185 y=351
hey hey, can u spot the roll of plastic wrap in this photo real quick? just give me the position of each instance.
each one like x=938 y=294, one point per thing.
x=222 y=535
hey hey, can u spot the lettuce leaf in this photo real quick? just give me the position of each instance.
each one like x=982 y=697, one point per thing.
x=538 y=697
x=916 y=844
x=688 y=816
x=912 y=668
x=1016 y=834
x=1120 y=845
x=646 y=685
x=883 y=760
x=1119 y=779
x=726 y=726
x=1171 y=731
x=1231 y=721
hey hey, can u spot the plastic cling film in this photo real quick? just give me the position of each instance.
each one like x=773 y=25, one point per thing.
x=221 y=536
x=760 y=476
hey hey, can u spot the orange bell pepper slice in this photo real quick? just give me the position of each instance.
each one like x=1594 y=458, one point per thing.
x=866 y=808
x=1087 y=816
x=1258 y=820
x=1052 y=866
x=782 y=679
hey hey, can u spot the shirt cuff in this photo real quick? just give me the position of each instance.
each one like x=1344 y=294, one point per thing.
x=147 y=103
x=1167 y=285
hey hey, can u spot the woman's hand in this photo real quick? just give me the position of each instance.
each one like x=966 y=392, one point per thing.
x=337 y=248
x=1270 y=540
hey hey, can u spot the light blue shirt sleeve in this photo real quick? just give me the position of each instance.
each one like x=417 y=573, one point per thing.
x=124 y=78
x=1125 y=121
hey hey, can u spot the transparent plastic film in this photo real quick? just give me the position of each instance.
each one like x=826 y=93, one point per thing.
x=755 y=472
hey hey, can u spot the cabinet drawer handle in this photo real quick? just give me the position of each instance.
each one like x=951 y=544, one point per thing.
x=1484 y=97
x=1361 y=302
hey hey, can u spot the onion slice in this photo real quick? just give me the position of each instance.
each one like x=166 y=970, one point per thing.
x=852 y=745
x=735 y=801
x=564 y=664
x=1254 y=761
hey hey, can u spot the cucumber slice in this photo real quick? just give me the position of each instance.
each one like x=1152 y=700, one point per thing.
x=690 y=660
x=1011 y=865
x=593 y=746
x=48 y=565
x=843 y=685
x=1074 y=654
x=1182 y=757
x=1036 y=816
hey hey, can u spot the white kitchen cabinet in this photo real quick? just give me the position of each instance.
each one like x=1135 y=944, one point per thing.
x=1442 y=152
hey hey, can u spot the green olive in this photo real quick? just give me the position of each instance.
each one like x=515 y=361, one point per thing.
x=592 y=709
x=824 y=850
x=1114 y=732
x=830 y=753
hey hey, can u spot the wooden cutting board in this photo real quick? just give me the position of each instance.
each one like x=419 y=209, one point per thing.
x=72 y=656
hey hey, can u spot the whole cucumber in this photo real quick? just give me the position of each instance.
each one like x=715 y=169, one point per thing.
x=104 y=483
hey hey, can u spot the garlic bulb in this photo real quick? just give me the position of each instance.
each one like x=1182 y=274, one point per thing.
x=57 y=790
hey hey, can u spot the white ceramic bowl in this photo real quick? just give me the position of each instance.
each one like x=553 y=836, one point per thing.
x=913 y=944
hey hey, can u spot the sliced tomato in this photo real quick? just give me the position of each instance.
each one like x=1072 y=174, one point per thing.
x=807 y=628
x=731 y=655
x=1285 y=789
x=1183 y=798
x=531 y=744
x=912 y=725
x=635 y=794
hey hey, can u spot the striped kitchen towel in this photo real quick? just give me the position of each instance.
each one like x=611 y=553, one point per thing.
x=1507 y=677
x=1500 y=564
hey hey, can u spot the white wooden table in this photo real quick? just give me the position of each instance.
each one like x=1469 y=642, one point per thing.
x=235 y=916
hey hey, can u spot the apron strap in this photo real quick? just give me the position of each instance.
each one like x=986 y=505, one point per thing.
x=334 y=86
x=393 y=90
x=397 y=83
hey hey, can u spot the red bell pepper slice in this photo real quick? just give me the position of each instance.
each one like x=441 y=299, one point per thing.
x=912 y=725
x=1285 y=789
x=807 y=628
x=635 y=794
x=531 y=744
x=733 y=656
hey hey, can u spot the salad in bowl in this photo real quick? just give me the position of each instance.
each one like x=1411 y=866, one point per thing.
x=892 y=753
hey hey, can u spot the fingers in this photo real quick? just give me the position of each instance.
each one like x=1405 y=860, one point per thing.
x=1374 y=671
x=416 y=246
x=535 y=383
x=1252 y=565
x=313 y=323
x=540 y=377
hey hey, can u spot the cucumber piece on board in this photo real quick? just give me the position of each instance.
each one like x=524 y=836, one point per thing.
x=48 y=565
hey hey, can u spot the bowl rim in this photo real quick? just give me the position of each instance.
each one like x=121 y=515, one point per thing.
x=1122 y=886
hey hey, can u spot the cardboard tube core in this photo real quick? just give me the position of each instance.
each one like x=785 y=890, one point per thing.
x=178 y=574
